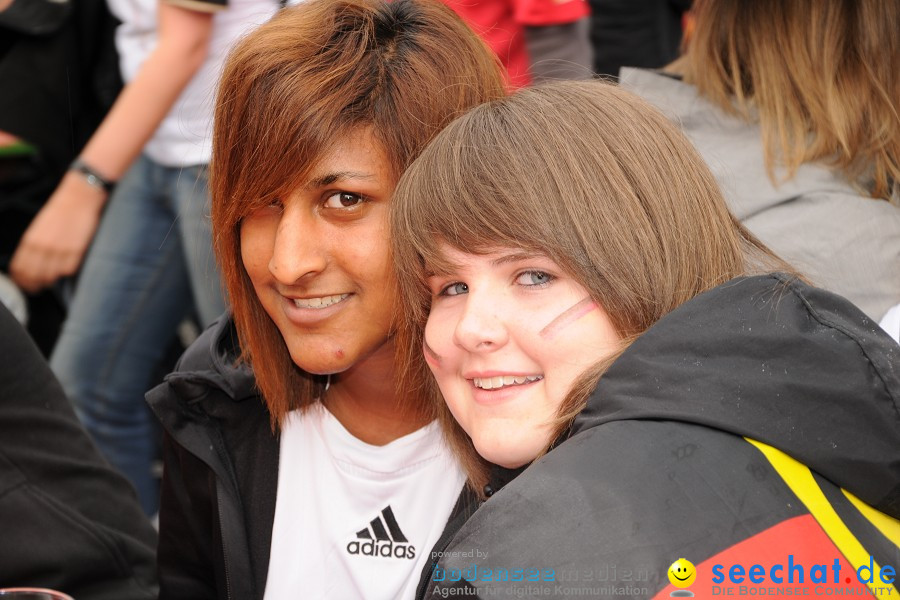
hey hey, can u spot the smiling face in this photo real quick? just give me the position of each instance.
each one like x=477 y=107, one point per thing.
x=507 y=336
x=682 y=573
x=319 y=259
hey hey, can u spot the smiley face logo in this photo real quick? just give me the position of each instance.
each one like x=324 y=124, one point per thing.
x=682 y=573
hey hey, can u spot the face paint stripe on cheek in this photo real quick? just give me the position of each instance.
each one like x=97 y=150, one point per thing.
x=567 y=317
x=431 y=357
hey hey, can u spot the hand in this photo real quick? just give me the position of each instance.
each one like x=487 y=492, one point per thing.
x=7 y=139
x=55 y=243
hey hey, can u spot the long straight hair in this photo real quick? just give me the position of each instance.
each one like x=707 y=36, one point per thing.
x=821 y=77
x=314 y=73
x=592 y=177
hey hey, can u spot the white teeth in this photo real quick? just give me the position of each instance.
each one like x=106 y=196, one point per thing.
x=492 y=383
x=322 y=302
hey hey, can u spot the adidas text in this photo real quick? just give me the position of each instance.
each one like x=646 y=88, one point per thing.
x=386 y=549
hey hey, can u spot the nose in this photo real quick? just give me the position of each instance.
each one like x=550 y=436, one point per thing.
x=480 y=327
x=300 y=249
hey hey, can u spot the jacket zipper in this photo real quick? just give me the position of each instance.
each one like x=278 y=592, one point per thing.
x=224 y=552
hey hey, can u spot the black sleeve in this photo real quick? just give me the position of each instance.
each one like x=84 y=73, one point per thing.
x=69 y=521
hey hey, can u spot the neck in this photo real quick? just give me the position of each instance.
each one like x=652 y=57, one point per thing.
x=365 y=400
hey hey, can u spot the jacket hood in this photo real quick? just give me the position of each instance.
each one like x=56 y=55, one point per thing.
x=211 y=410
x=775 y=360
x=211 y=362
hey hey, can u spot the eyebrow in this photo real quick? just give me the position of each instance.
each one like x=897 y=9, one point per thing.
x=514 y=257
x=331 y=178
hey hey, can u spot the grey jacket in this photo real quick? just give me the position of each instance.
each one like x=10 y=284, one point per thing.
x=817 y=221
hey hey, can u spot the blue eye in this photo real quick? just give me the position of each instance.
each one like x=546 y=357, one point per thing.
x=343 y=200
x=455 y=289
x=534 y=278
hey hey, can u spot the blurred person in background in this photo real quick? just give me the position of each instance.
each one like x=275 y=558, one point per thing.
x=150 y=262
x=794 y=105
x=59 y=74
x=69 y=521
x=536 y=40
x=636 y=33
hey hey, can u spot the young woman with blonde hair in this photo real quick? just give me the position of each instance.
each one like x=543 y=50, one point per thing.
x=314 y=475
x=607 y=334
x=793 y=104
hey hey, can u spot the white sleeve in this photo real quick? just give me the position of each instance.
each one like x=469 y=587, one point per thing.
x=891 y=323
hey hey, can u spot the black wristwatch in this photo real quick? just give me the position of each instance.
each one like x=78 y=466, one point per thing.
x=91 y=176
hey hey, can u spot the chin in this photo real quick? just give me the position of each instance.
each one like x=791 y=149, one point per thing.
x=513 y=464
x=321 y=365
x=505 y=457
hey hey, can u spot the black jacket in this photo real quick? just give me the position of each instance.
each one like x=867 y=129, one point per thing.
x=68 y=520
x=657 y=468
x=221 y=475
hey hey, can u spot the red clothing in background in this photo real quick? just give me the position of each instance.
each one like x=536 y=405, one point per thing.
x=500 y=23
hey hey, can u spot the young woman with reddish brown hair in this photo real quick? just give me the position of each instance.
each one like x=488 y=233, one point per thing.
x=295 y=466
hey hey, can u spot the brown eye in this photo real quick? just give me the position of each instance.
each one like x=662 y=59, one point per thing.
x=343 y=200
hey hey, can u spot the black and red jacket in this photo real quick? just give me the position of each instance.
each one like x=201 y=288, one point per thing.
x=757 y=424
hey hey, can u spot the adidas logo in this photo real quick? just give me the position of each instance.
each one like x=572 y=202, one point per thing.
x=375 y=540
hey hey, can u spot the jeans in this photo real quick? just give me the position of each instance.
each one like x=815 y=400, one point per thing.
x=150 y=265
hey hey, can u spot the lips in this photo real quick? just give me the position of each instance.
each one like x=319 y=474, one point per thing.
x=503 y=381
x=319 y=302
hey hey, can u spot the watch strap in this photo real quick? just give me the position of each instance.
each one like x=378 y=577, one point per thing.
x=92 y=176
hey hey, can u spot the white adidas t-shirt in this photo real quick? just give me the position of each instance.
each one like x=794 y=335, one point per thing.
x=354 y=520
